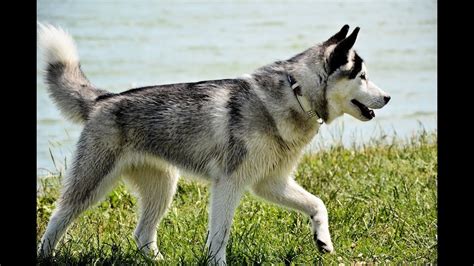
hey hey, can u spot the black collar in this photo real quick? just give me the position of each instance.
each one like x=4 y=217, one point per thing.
x=295 y=86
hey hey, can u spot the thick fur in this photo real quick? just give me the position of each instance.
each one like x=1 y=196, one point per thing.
x=240 y=134
x=68 y=86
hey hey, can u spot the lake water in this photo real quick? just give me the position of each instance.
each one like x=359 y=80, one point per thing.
x=124 y=44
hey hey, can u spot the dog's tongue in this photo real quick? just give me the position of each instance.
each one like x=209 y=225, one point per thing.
x=371 y=112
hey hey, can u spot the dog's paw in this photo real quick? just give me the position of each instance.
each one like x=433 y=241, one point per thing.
x=151 y=251
x=323 y=246
x=158 y=256
x=154 y=255
x=45 y=251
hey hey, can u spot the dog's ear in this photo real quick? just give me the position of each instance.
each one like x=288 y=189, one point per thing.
x=348 y=42
x=340 y=53
x=338 y=36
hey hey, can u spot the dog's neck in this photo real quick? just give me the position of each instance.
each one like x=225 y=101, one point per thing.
x=303 y=101
x=274 y=90
x=313 y=88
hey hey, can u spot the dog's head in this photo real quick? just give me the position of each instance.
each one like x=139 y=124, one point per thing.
x=346 y=84
x=349 y=87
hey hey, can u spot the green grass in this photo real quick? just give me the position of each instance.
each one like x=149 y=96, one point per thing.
x=381 y=198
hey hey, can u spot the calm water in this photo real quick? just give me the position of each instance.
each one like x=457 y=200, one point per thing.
x=124 y=44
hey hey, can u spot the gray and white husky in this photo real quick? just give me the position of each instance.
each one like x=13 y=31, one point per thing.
x=240 y=134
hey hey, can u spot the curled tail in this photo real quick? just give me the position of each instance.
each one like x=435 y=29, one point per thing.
x=67 y=85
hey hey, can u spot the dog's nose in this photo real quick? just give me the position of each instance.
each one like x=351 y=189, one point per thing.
x=386 y=99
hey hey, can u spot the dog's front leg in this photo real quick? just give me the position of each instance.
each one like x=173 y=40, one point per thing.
x=225 y=196
x=286 y=192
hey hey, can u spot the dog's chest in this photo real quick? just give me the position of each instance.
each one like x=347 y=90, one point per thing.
x=268 y=158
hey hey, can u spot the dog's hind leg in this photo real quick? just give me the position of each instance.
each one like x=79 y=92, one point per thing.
x=155 y=188
x=92 y=175
x=286 y=192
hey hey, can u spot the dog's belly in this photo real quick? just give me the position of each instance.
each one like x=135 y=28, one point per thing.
x=133 y=162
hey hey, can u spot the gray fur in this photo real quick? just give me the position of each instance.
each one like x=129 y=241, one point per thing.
x=71 y=90
x=240 y=133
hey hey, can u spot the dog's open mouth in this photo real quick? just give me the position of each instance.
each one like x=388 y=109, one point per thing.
x=368 y=113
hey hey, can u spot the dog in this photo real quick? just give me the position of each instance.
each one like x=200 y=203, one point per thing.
x=242 y=134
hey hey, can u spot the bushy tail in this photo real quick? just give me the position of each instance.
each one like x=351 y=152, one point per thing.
x=67 y=84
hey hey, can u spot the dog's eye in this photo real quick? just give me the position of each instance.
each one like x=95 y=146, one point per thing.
x=362 y=76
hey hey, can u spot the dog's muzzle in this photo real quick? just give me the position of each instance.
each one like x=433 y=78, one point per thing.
x=365 y=111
